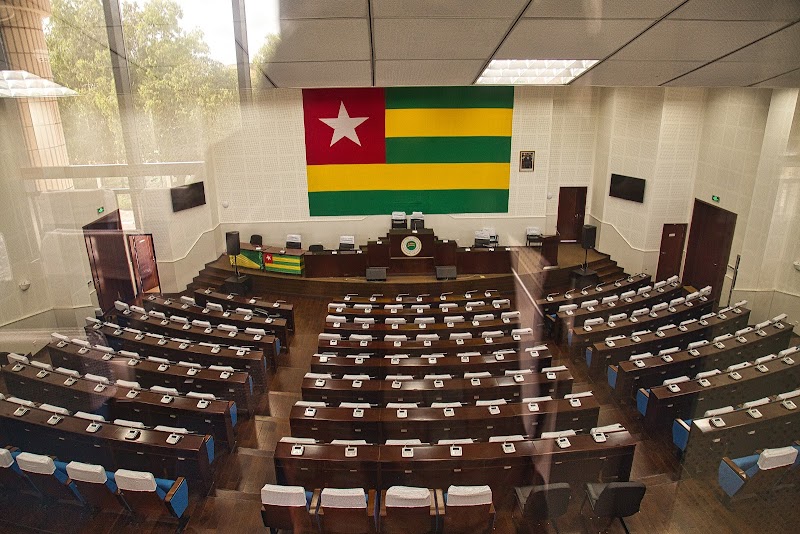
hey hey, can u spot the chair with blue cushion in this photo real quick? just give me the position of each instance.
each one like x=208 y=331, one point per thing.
x=143 y=493
x=12 y=478
x=288 y=508
x=467 y=509
x=49 y=477
x=347 y=511
x=96 y=486
x=757 y=473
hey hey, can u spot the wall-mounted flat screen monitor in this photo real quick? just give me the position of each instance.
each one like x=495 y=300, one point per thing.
x=187 y=196
x=627 y=187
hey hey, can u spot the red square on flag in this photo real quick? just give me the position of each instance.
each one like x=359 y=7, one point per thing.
x=344 y=126
x=267 y=258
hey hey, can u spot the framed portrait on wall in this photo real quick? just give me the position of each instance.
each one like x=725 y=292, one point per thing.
x=526 y=160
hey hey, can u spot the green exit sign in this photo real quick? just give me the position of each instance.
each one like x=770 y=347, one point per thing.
x=101 y=209
x=715 y=198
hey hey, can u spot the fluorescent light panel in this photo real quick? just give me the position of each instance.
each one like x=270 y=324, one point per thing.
x=23 y=84
x=534 y=71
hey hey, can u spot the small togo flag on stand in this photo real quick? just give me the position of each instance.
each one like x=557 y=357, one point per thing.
x=372 y=151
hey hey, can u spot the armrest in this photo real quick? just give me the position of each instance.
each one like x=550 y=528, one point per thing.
x=174 y=489
x=682 y=423
x=383 y=503
x=440 y=501
x=371 y=495
x=313 y=508
x=735 y=468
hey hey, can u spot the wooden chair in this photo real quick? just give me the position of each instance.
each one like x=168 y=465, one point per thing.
x=49 y=478
x=146 y=495
x=757 y=473
x=467 y=510
x=289 y=508
x=407 y=510
x=347 y=511
x=95 y=486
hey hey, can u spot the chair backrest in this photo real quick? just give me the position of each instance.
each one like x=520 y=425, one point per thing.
x=256 y=240
x=344 y=510
x=47 y=477
x=473 y=509
x=316 y=248
x=548 y=501
x=620 y=499
x=347 y=242
x=285 y=508
x=407 y=509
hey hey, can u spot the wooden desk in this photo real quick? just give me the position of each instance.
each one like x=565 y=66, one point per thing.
x=629 y=377
x=377 y=331
x=113 y=403
x=470 y=260
x=275 y=259
x=250 y=361
x=238 y=387
x=380 y=367
x=579 y=338
x=418 y=348
x=268 y=344
x=380 y=315
x=433 y=300
x=693 y=399
x=430 y=424
x=550 y=305
x=382 y=466
x=191 y=457
x=229 y=302
x=379 y=392
x=740 y=436
x=169 y=307
x=566 y=322
x=599 y=356
x=334 y=263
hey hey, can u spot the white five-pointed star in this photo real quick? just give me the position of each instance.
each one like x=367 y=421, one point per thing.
x=344 y=126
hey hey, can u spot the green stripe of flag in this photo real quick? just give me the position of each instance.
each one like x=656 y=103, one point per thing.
x=449 y=97
x=448 y=149
x=290 y=269
x=385 y=202
x=286 y=260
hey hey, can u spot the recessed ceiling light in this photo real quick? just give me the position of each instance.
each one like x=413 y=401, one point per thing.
x=534 y=71
x=23 y=84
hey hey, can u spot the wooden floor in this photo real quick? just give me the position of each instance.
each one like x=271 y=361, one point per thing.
x=674 y=503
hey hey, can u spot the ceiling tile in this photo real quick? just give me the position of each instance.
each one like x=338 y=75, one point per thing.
x=427 y=72
x=790 y=79
x=786 y=10
x=314 y=9
x=781 y=46
x=733 y=73
x=323 y=40
x=437 y=38
x=635 y=73
x=484 y=9
x=568 y=39
x=320 y=74
x=618 y=9
x=688 y=40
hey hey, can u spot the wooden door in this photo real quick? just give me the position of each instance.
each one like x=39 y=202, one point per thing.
x=143 y=262
x=670 y=255
x=108 y=260
x=571 y=212
x=709 y=247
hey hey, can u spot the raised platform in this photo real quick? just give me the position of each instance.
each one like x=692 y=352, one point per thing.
x=526 y=263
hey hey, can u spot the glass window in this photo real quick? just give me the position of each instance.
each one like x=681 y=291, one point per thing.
x=263 y=35
x=182 y=60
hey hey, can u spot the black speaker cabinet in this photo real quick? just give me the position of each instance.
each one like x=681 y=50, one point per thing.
x=588 y=236
x=376 y=274
x=446 y=272
x=232 y=245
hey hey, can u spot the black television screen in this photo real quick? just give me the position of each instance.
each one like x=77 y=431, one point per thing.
x=627 y=187
x=187 y=196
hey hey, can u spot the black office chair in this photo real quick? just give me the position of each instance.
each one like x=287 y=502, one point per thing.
x=537 y=504
x=316 y=248
x=614 y=499
x=256 y=240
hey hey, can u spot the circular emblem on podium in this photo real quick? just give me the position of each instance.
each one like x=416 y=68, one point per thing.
x=411 y=246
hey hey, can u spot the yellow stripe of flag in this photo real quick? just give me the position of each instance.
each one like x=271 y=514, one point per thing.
x=448 y=122
x=407 y=176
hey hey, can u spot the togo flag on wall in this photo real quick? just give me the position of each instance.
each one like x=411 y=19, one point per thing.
x=372 y=151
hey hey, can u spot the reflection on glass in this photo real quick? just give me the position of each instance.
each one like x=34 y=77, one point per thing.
x=182 y=62
x=77 y=43
x=263 y=36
